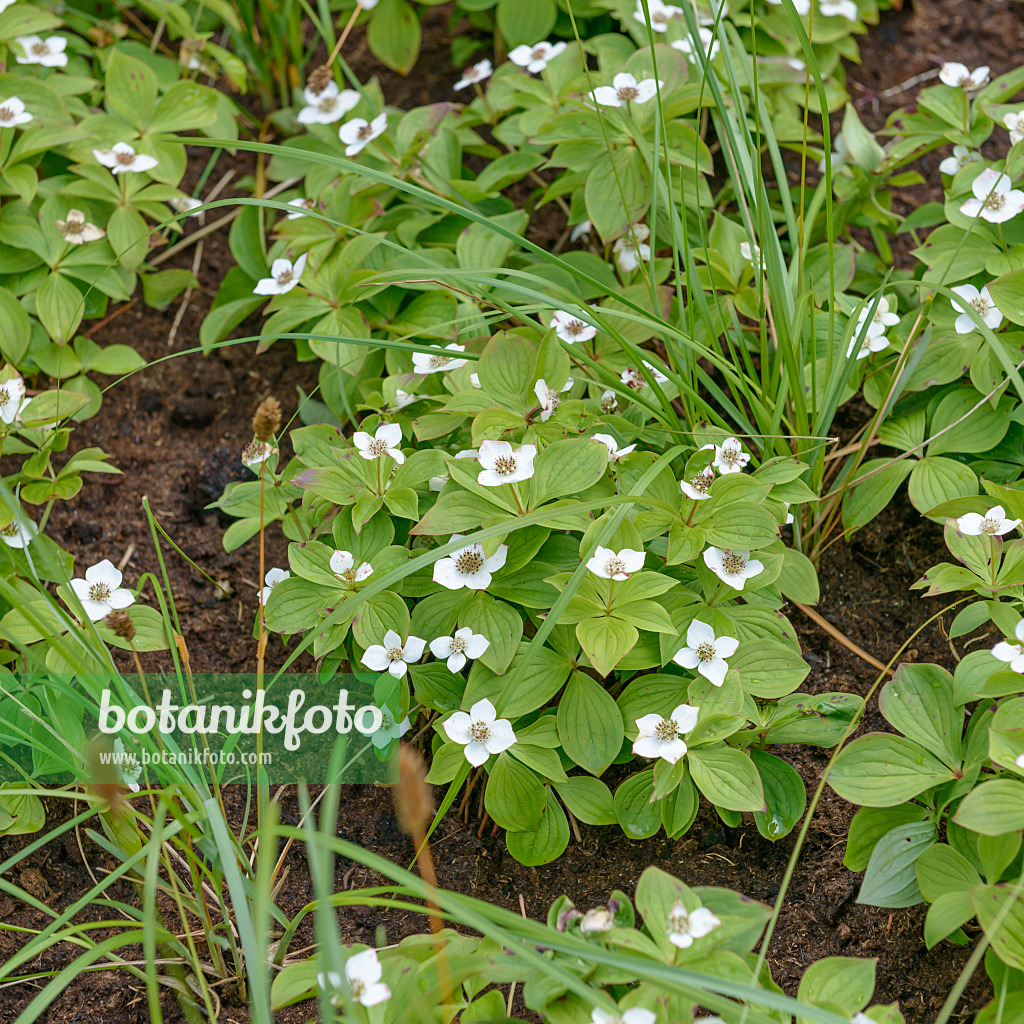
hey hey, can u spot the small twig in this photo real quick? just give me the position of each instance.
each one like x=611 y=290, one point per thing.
x=841 y=637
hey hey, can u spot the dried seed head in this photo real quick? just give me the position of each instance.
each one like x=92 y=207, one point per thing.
x=267 y=421
x=319 y=78
x=414 y=804
x=120 y=624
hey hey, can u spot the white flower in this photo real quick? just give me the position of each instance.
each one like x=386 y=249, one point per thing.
x=663 y=737
x=503 y=464
x=994 y=200
x=48 y=52
x=868 y=345
x=121 y=158
x=480 y=732
x=101 y=592
x=981 y=302
x=1014 y=124
x=469 y=567
x=959 y=76
x=729 y=456
x=706 y=652
x=473 y=75
x=13 y=112
x=632 y=249
x=962 y=156
x=359 y=133
x=616 y=565
x=343 y=565
x=839 y=155
x=273 y=577
x=19 y=532
x=1012 y=653
x=393 y=656
x=537 y=57
x=706 y=44
x=549 y=398
x=838 y=9
x=302 y=207
x=571 y=329
x=128 y=767
x=881 y=320
x=465 y=644
x=77 y=230
x=661 y=14
x=634 y=1015
x=803 y=7
x=614 y=451
x=187 y=205
x=389 y=730
x=655 y=372
x=699 y=488
x=474 y=379
x=732 y=567
x=434 y=362
x=992 y=524
x=597 y=920
x=255 y=453
x=12 y=391
x=609 y=401
x=385 y=441
x=581 y=230
x=327 y=106
x=626 y=89
x=284 y=276
x=751 y=253
x=683 y=927
x=403 y=398
x=363 y=973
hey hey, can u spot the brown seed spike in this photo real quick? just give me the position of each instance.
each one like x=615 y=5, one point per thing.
x=414 y=804
x=267 y=421
x=319 y=78
x=120 y=624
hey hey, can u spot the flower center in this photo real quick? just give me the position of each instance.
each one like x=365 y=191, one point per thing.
x=554 y=399
x=366 y=132
x=357 y=987
x=730 y=456
x=627 y=93
x=701 y=483
x=608 y=402
x=666 y=730
x=5 y=397
x=285 y=276
x=395 y=653
x=252 y=451
x=505 y=464
x=378 y=448
x=995 y=201
x=539 y=52
x=980 y=305
x=733 y=563
x=458 y=645
x=575 y=326
x=479 y=732
x=706 y=651
x=10 y=530
x=40 y=49
x=614 y=566
x=6 y=114
x=990 y=526
x=327 y=103
x=469 y=562
x=634 y=380
x=659 y=18
x=438 y=361
x=74 y=224
x=99 y=592
x=125 y=159
x=678 y=921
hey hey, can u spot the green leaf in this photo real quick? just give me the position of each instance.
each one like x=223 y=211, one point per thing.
x=940 y=869
x=784 y=795
x=636 y=815
x=844 y=981
x=131 y=90
x=506 y=369
x=547 y=843
x=919 y=701
x=891 y=878
x=727 y=777
x=499 y=622
x=567 y=467
x=768 y=668
x=867 y=499
x=480 y=247
x=881 y=770
x=589 y=724
x=15 y=328
x=128 y=236
x=605 y=641
x=161 y=288
x=588 y=799
x=186 y=105
x=993 y=808
x=60 y=307
x=525 y=23
x=799 y=581
x=1007 y=293
x=514 y=797
x=936 y=479
x=394 y=35
x=948 y=913
x=870 y=824
x=617 y=192
x=999 y=903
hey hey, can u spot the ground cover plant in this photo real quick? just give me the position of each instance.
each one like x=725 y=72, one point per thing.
x=561 y=504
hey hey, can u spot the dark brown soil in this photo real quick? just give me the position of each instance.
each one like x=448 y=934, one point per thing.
x=176 y=431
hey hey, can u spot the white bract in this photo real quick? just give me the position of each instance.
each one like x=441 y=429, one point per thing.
x=570 y=328
x=47 y=52
x=752 y=253
x=537 y=57
x=729 y=456
x=13 y=113
x=626 y=89
x=76 y=230
x=838 y=9
x=962 y=156
x=663 y=737
x=803 y=7
x=437 y=482
x=393 y=655
x=477 y=73
x=363 y=973
x=385 y=441
x=581 y=230
x=465 y=644
x=992 y=524
x=685 y=926
x=343 y=565
x=480 y=731
x=609 y=401
x=435 y=362
x=188 y=206
x=12 y=391
x=961 y=77
x=634 y=1015
x=469 y=567
x=732 y=567
x=389 y=730
x=867 y=346
x=122 y=158
x=661 y=14
x=616 y=565
x=632 y=249
x=614 y=451
x=284 y=276
x=302 y=207
x=597 y=920
x=503 y=464
x=550 y=398
x=706 y=652
x=101 y=592
x=994 y=200
x=981 y=302
x=1012 y=653
x=1014 y=124
x=327 y=106
x=699 y=488
x=18 y=533
x=271 y=580
x=255 y=453
x=705 y=44
x=403 y=398
x=878 y=322
x=358 y=133
x=659 y=377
